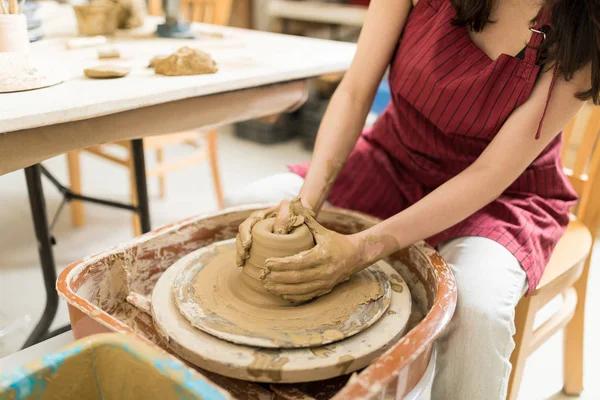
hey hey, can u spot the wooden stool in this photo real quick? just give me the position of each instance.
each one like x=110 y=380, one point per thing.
x=567 y=272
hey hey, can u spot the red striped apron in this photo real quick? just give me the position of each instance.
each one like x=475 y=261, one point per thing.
x=449 y=99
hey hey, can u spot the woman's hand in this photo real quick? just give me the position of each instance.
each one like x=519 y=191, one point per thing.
x=285 y=219
x=317 y=271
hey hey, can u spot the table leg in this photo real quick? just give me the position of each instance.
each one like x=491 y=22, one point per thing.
x=33 y=176
x=139 y=166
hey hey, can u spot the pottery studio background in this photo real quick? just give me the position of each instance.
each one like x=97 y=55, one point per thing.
x=215 y=163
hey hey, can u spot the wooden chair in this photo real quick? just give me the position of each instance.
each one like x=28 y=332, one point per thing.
x=566 y=274
x=215 y=12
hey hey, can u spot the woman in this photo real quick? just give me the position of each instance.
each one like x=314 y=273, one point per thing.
x=467 y=156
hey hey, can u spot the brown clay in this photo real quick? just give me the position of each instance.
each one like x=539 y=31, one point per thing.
x=186 y=61
x=106 y=71
x=108 y=53
x=100 y=17
x=231 y=303
x=267 y=244
x=154 y=60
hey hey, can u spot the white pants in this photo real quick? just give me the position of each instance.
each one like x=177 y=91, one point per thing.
x=474 y=350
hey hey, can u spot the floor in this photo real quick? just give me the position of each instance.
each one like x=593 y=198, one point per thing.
x=189 y=192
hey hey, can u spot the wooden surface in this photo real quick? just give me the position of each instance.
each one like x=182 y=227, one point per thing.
x=567 y=271
x=246 y=59
x=315 y=11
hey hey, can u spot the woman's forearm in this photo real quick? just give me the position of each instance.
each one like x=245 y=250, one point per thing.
x=338 y=133
x=348 y=109
x=512 y=150
x=446 y=206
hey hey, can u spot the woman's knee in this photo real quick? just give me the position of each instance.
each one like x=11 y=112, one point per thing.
x=269 y=190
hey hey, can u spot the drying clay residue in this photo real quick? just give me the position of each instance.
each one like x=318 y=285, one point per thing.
x=323 y=351
x=266 y=364
x=396 y=283
x=344 y=363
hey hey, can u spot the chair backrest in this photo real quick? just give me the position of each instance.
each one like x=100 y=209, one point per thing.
x=581 y=159
x=216 y=12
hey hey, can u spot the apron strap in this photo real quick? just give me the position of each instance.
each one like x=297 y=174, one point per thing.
x=538 y=35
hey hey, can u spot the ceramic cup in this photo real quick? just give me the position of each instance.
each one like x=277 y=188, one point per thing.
x=13 y=33
x=100 y=18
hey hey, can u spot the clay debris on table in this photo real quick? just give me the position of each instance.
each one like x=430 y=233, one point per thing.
x=185 y=61
x=106 y=71
x=109 y=52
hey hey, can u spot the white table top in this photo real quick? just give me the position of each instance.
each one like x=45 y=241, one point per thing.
x=246 y=59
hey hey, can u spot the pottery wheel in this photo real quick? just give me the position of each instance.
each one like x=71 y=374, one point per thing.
x=274 y=365
x=207 y=294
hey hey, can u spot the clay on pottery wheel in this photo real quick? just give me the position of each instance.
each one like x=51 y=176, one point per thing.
x=186 y=61
x=231 y=303
x=266 y=244
x=106 y=71
x=250 y=362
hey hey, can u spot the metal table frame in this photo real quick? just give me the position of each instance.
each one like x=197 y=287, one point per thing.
x=33 y=176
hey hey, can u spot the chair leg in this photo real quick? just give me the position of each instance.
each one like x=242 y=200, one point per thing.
x=214 y=165
x=524 y=318
x=573 y=342
x=135 y=218
x=160 y=158
x=77 y=213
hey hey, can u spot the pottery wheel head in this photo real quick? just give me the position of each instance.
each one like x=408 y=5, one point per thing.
x=207 y=293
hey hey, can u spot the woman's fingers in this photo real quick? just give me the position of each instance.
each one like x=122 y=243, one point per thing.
x=287 y=217
x=304 y=259
x=297 y=276
x=241 y=253
x=306 y=297
x=296 y=289
x=282 y=224
x=243 y=240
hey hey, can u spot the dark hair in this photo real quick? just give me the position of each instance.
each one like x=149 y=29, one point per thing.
x=573 y=40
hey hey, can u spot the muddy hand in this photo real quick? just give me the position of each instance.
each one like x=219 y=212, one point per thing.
x=317 y=271
x=286 y=218
x=243 y=240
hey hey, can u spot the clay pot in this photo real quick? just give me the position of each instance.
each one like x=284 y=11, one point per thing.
x=266 y=244
x=13 y=33
x=97 y=18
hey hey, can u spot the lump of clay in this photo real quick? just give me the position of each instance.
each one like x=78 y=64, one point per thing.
x=108 y=53
x=267 y=244
x=154 y=60
x=186 y=61
x=106 y=71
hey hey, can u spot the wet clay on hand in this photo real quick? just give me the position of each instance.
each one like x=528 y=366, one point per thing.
x=267 y=244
